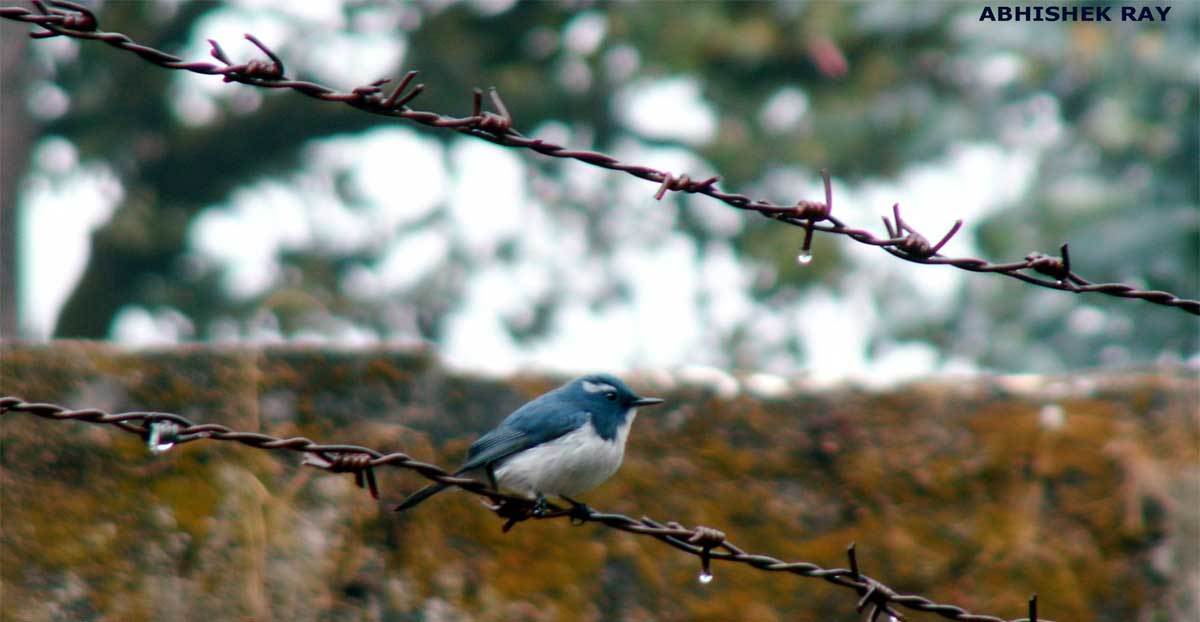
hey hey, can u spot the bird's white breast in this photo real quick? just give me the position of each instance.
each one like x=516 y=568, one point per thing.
x=568 y=465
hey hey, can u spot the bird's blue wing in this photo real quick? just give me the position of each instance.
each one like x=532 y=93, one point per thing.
x=531 y=425
x=493 y=446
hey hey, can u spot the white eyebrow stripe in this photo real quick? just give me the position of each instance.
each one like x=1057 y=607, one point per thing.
x=597 y=387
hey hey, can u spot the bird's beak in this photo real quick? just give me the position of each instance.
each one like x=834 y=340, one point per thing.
x=647 y=401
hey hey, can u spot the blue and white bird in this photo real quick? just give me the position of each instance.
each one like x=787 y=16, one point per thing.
x=563 y=443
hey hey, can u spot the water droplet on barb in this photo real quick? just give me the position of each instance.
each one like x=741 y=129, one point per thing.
x=705 y=577
x=162 y=436
x=804 y=258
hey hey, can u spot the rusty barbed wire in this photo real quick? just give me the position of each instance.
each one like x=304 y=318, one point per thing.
x=162 y=431
x=62 y=18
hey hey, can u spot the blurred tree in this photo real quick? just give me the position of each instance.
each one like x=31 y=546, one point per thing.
x=17 y=130
x=1102 y=111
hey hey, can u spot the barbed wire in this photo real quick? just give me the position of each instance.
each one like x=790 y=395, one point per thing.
x=62 y=18
x=162 y=431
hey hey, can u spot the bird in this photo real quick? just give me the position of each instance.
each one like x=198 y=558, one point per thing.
x=563 y=442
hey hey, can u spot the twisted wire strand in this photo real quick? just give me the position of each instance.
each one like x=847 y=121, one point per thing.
x=62 y=18
x=163 y=430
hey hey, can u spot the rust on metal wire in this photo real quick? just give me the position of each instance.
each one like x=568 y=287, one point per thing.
x=161 y=431
x=61 y=18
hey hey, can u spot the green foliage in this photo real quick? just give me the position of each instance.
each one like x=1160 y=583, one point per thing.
x=1103 y=110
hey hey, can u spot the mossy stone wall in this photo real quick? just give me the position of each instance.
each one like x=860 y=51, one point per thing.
x=979 y=492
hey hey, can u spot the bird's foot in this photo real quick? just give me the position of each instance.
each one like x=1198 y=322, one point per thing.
x=540 y=507
x=579 y=511
x=512 y=511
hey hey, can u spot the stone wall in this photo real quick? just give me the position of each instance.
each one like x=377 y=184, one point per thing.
x=980 y=491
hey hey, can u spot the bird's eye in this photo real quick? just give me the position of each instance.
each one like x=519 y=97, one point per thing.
x=610 y=396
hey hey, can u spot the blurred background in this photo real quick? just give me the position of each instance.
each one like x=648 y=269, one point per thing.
x=148 y=206
x=442 y=281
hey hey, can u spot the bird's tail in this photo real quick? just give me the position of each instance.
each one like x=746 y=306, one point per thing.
x=420 y=496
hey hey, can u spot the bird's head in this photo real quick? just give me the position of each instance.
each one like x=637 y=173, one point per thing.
x=606 y=396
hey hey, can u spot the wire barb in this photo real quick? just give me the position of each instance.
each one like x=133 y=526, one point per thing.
x=707 y=539
x=812 y=212
x=394 y=101
x=76 y=17
x=910 y=242
x=1058 y=268
x=358 y=463
x=499 y=122
x=259 y=69
x=853 y=557
x=682 y=183
x=874 y=594
x=256 y=71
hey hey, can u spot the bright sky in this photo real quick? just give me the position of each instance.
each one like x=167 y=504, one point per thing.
x=681 y=300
